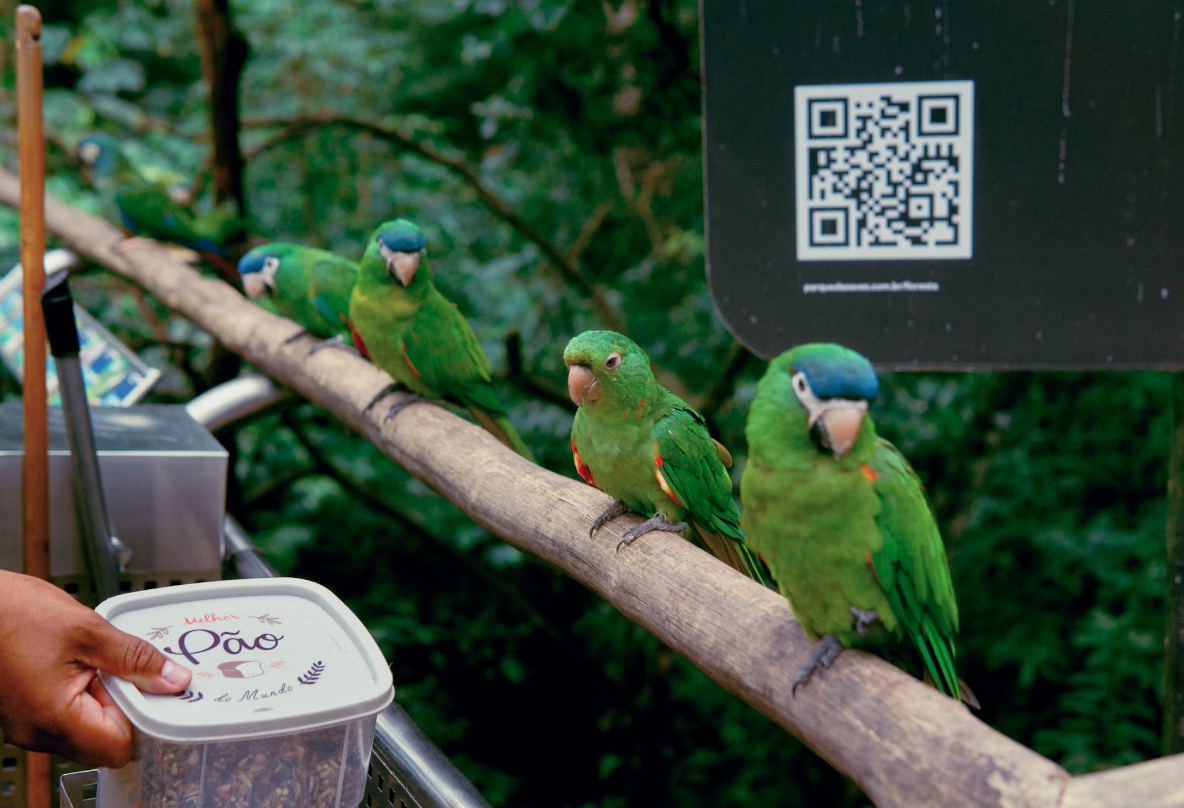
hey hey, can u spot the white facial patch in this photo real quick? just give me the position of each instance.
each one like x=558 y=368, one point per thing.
x=89 y=152
x=816 y=406
x=257 y=284
x=837 y=420
x=270 y=267
x=387 y=254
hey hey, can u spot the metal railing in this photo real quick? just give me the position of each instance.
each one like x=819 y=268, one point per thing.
x=406 y=769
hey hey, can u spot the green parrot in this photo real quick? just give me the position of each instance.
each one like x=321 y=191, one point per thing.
x=649 y=450
x=406 y=327
x=841 y=518
x=147 y=209
x=304 y=284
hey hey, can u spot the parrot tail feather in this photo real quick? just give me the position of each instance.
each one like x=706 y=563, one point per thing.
x=966 y=695
x=937 y=652
x=227 y=270
x=500 y=427
x=736 y=554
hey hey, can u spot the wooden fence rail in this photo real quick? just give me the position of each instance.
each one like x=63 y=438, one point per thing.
x=904 y=743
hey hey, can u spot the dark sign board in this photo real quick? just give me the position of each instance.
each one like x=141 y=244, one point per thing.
x=991 y=184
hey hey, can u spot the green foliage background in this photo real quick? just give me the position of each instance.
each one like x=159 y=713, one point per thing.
x=585 y=118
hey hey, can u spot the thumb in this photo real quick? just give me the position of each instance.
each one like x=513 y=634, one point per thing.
x=110 y=650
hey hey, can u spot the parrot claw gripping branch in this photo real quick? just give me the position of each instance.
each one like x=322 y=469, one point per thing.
x=612 y=512
x=903 y=743
x=656 y=523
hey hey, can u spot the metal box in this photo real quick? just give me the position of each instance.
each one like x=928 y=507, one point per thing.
x=165 y=480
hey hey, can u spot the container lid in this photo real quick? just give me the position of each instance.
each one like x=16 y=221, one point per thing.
x=269 y=656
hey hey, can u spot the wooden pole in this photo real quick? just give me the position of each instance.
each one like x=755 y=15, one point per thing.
x=29 y=92
x=32 y=162
x=1173 y=658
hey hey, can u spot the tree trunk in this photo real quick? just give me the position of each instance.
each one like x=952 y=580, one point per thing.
x=223 y=56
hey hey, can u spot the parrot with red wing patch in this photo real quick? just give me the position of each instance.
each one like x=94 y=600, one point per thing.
x=649 y=450
x=406 y=327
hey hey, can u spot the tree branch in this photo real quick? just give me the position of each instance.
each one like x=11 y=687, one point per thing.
x=564 y=261
x=725 y=383
x=538 y=388
x=588 y=231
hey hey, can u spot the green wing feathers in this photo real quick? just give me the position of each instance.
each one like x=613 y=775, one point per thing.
x=330 y=284
x=148 y=210
x=221 y=224
x=912 y=566
x=690 y=463
x=444 y=347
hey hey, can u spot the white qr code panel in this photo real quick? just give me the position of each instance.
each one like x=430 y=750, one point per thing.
x=884 y=171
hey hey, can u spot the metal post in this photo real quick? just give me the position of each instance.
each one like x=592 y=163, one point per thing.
x=86 y=483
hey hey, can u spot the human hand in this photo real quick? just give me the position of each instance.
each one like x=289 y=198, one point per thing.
x=51 y=698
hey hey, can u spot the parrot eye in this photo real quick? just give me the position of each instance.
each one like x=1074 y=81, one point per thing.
x=271 y=264
x=613 y=362
x=802 y=389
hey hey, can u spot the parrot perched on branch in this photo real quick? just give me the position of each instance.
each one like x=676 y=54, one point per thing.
x=841 y=518
x=147 y=209
x=304 y=284
x=648 y=450
x=416 y=335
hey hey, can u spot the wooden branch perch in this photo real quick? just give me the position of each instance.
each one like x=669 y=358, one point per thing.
x=904 y=743
x=566 y=262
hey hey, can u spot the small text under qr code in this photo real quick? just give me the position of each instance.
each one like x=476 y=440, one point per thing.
x=884 y=171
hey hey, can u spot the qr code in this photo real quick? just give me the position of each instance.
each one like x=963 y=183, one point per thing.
x=884 y=171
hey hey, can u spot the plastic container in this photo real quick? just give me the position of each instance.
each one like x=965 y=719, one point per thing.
x=287 y=685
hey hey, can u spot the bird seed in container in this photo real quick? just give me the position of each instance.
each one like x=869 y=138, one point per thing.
x=286 y=690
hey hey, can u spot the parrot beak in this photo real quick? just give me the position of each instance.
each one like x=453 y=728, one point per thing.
x=839 y=422
x=181 y=195
x=403 y=265
x=254 y=285
x=582 y=385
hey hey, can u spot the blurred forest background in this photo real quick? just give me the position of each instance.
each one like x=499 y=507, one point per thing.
x=551 y=152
